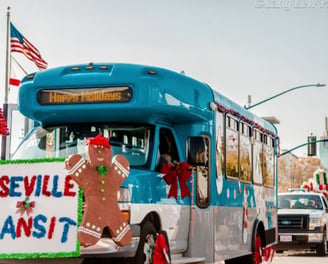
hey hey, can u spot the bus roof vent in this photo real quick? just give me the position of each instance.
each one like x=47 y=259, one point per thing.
x=30 y=76
x=151 y=72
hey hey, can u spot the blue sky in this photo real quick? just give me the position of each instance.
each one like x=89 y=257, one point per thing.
x=257 y=47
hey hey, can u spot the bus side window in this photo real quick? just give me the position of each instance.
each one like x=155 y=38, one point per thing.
x=245 y=153
x=268 y=161
x=202 y=177
x=167 y=149
x=232 y=147
x=198 y=153
x=257 y=157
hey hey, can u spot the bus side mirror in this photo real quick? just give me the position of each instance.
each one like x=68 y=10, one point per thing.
x=196 y=151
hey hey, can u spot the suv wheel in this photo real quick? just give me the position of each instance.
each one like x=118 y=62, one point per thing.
x=322 y=249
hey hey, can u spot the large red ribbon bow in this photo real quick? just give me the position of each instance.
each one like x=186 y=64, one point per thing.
x=181 y=172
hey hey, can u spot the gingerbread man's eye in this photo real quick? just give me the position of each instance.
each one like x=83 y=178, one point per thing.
x=102 y=146
x=95 y=146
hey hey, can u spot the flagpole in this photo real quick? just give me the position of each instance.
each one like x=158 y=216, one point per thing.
x=4 y=147
x=7 y=57
x=19 y=65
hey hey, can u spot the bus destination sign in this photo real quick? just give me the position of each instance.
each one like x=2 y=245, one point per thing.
x=84 y=95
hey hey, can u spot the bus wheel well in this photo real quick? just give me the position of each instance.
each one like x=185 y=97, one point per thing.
x=258 y=230
x=154 y=219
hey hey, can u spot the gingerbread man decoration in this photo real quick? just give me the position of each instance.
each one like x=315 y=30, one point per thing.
x=100 y=177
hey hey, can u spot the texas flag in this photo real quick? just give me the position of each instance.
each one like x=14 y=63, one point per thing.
x=14 y=80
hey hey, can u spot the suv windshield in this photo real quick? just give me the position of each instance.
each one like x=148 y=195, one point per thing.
x=133 y=141
x=299 y=201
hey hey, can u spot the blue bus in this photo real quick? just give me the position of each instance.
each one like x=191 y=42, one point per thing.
x=148 y=113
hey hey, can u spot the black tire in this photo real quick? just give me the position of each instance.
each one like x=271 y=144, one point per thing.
x=146 y=229
x=322 y=248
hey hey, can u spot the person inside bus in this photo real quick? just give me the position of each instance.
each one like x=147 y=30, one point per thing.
x=166 y=153
x=163 y=156
x=202 y=154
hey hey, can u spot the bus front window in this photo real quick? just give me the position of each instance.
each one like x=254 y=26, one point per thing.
x=132 y=141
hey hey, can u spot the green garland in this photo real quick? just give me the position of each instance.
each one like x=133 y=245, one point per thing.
x=19 y=161
x=35 y=255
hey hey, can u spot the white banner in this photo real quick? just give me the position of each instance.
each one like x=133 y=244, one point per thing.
x=38 y=210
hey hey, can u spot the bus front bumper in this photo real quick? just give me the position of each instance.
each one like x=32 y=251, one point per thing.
x=106 y=247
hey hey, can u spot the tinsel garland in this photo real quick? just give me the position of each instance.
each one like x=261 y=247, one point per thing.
x=35 y=255
x=19 y=161
x=4 y=130
x=243 y=118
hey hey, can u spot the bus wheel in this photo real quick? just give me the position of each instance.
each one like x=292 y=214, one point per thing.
x=257 y=254
x=146 y=244
x=268 y=253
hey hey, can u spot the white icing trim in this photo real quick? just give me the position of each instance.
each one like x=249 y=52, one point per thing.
x=89 y=232
x=76 y=166
x=119 y=165
x=122 y=234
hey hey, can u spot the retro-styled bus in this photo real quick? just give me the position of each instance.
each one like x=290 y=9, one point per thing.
x=148 y=113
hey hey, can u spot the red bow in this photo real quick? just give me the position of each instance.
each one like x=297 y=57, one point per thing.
x=181 y=172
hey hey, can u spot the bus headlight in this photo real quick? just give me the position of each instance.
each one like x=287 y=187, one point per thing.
x=123 y=195
x=315 y=222
x=124 y=199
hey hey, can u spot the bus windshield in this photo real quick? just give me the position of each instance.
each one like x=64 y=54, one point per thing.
x=133 y=141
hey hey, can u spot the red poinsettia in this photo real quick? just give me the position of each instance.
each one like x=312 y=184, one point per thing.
x=25 y=206
x=174 y=173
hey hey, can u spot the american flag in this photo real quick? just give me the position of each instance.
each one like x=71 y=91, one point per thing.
x=18 y=43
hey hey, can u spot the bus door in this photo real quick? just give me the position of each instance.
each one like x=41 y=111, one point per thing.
x=175 y=218
x=201 y=230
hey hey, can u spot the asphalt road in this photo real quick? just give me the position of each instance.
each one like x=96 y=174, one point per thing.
x=284 y=258
x=299 y=258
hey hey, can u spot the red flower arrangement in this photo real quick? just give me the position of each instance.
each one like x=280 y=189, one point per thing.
x=4 y=131
x=25 y=206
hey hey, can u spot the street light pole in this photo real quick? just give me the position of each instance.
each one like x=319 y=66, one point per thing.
x=289 y=90
x=302 y=145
